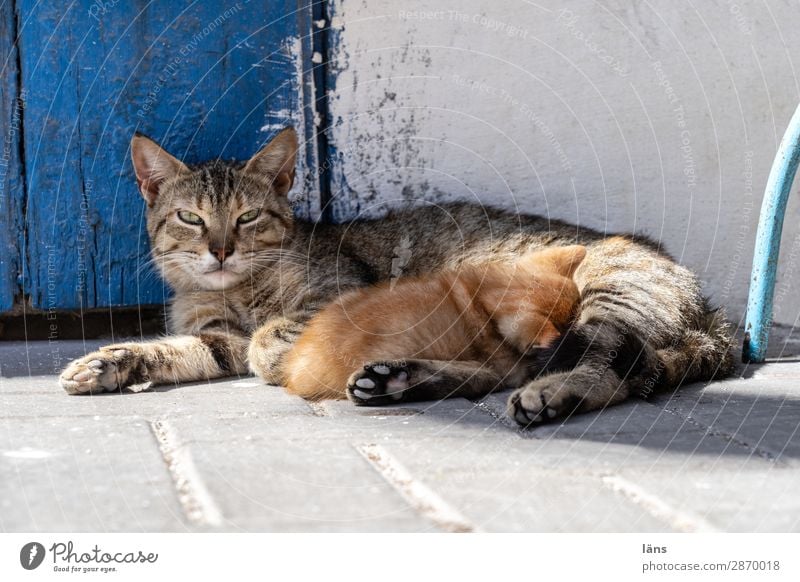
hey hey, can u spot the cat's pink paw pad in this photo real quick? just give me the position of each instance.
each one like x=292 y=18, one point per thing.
x=110 y=368
x=93 y=373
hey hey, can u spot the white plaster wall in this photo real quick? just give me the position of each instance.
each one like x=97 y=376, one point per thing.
x=660 y=118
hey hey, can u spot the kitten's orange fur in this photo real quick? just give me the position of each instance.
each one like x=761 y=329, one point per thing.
x=492 y=313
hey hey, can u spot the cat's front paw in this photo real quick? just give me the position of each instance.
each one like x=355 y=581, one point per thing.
x=542 y=400
x=110 y=368
x=378 y=383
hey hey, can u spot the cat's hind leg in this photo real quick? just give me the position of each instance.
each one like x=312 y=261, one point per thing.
x=643 y=327
x=380 y=383
x=629 y=368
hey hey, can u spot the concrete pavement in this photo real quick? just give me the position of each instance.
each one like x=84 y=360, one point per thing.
x=236 y=455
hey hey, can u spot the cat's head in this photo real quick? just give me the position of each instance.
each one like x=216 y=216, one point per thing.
x=214 y=225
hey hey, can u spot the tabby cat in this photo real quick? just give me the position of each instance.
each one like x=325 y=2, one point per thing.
x=247 y=276
x=392 y=342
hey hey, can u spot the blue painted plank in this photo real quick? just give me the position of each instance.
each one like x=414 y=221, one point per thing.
x=768 y=243
x=11 y=184
x=205 y=79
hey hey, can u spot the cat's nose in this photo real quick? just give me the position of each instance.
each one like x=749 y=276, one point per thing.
x=220 y=252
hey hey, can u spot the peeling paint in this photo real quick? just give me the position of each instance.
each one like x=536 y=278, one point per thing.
x=283 y=114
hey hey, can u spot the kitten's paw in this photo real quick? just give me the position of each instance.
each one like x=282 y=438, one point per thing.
x=110 y=368
x=378 y=383
x=542 y=400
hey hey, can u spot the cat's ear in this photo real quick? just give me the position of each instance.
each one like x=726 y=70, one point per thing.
x=153 y=165
x=561 y=260
x=275 y=161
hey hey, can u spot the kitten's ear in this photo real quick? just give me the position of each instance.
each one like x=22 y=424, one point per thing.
x=152 y=165
x=561 y=260
x=275 y=161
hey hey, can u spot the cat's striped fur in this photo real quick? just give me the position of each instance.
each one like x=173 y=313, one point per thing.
x=643 y=324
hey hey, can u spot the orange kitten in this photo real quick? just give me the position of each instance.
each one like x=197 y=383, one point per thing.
x=391 y=342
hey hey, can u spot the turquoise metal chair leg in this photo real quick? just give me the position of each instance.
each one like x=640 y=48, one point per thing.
x=768 y=243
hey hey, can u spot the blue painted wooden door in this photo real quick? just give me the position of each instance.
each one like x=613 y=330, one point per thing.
x=11 y=188
x=203 y=78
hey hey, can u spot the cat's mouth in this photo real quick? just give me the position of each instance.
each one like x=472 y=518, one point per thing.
x=220 y=277
x=221 y=269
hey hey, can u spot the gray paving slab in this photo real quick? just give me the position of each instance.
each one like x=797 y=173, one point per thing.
x=97 y=474
x=748 y=500
x=760 y=412
x=235 y=455
x=41 y=396
x=286 y=486
x=634 y=436
x=504 y=489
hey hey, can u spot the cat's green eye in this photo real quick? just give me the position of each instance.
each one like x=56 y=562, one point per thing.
x=248 y=216
x=189 y=217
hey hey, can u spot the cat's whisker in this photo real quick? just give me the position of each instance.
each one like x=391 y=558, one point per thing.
x=281 y=259
x=145 y=266
x=286 y=256
x=281 y=251
x=261 y=262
